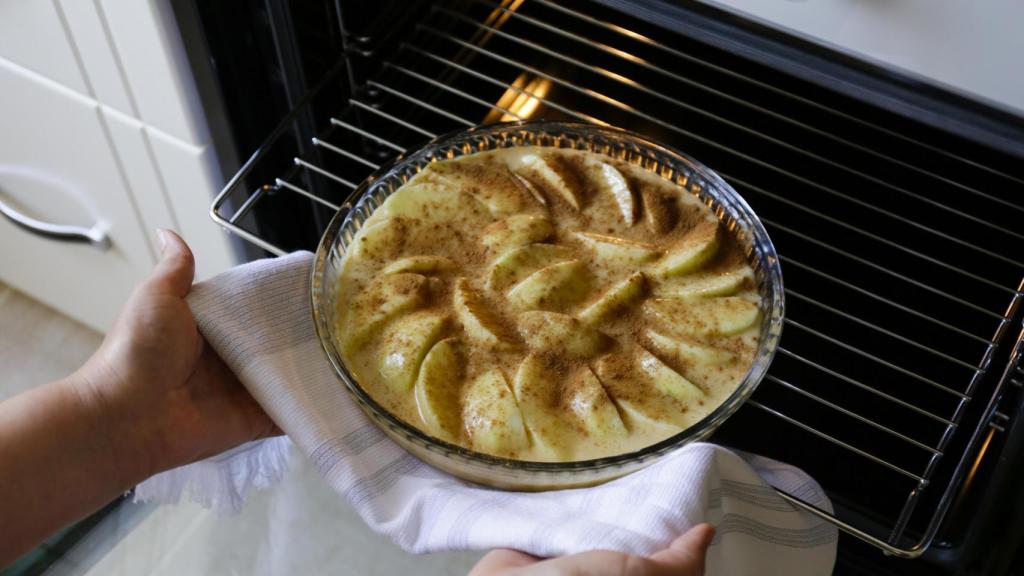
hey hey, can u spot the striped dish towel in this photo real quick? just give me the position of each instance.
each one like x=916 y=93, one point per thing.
x=257 y=317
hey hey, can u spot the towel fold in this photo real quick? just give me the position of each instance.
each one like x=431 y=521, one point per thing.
x=257 y=318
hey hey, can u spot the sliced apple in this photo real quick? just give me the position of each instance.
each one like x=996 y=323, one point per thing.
x=490 y=184
x=561 y=333
x=420 y=264
x=619 y=251
x=703 y=285
x=639 y=415
x=381 y=240
x=643 y=405
x=723 y=316
x=589 y=403
x=492 y=417
x=516 y=264
x=528 y=188
x=686 y=353
x=692 y=251
x=501 y=201
x=427 y=202
x=385 y=298
x=438 y=386
x=617 y=186
x=482 y=325
x=553 y=175
x=404 y=345
x=554 y=287
x=537 y=391
x=515 y=231
x=660 y=210
x=666 y=379
x=621 y=295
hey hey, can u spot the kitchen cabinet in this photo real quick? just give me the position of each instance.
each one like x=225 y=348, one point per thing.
x=32 y=35
x=58 y=167
x=100 y=128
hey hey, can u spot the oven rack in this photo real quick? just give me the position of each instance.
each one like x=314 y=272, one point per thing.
x=906 y=419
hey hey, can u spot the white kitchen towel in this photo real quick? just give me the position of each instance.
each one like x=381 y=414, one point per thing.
x=258 y=319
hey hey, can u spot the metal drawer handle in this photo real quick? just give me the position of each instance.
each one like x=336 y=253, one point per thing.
x=96 y=235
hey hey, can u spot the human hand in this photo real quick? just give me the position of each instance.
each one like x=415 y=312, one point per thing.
x=684 y=557
x=162 y=396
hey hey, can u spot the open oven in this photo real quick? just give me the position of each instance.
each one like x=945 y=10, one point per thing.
x=895 y=206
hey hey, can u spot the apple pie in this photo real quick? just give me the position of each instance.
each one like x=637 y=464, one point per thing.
x=546 y=305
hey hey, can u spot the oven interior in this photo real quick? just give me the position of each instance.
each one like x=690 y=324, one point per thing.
x=897 y=382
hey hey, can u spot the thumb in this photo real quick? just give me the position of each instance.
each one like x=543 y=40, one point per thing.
x=688 y=551
x=174 y=272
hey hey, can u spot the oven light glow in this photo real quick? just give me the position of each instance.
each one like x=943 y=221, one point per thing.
x=630 y=33
x=521 y=100
x=496 y=19
x=499 y=16
x=530 y=98
x=977 y=461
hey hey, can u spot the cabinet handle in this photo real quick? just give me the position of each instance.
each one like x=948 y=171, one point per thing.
x=96 y=235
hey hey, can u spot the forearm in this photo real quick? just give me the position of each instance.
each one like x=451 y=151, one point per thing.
x=59 y=461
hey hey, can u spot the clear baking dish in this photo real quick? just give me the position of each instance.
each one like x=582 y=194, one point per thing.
x=734 y=213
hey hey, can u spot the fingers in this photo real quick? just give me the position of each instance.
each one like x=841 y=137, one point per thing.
x=687 y=553
x=497 y=562
x=697 y=538
x=684 y=557
x=174 y=272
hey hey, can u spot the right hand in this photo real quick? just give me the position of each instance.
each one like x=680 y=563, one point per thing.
x=683 y=557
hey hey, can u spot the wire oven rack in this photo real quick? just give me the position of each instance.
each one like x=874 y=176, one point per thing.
x=898 y=244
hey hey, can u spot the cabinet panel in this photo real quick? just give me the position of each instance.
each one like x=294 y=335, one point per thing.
x=99 y=62
x=33 y=36
x=192 y=177
x=57 y=165
x=150 y=48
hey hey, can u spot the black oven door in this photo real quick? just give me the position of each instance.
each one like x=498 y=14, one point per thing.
x=895 y=206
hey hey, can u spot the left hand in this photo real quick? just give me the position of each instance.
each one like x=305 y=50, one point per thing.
x=683 y=557
x=160 y=392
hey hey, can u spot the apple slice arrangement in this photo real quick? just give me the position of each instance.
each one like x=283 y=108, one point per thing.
x=546 y=305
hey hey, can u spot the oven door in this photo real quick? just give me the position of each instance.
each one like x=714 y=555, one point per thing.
x=894 y=204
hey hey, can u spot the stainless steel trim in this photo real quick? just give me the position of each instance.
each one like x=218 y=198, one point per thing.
x=884 y=240
x=95 y=235
x=881 y=268
x=366 y=134
x=325 y=173
x=897 y=305
x=837 y=441
x=731 y=178
x=756 y=189
x=420 y=103
x=470 y=97
x=887 y=332
x=391 y=117
x=304 y=192
x=865 y=387
x=630 y=109
x=318 y=142
x=804 y=101
x=877 y=359
x=852 y=414
x=622 y=54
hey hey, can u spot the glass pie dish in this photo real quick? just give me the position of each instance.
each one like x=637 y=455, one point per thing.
x=733 y=213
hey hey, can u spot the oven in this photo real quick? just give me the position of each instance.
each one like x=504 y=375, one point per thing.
x=895 y=205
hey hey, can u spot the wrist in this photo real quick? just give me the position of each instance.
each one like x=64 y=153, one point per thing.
x=110 y=431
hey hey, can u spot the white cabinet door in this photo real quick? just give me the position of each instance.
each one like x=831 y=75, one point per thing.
x=57 y=165
x=32 y=34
